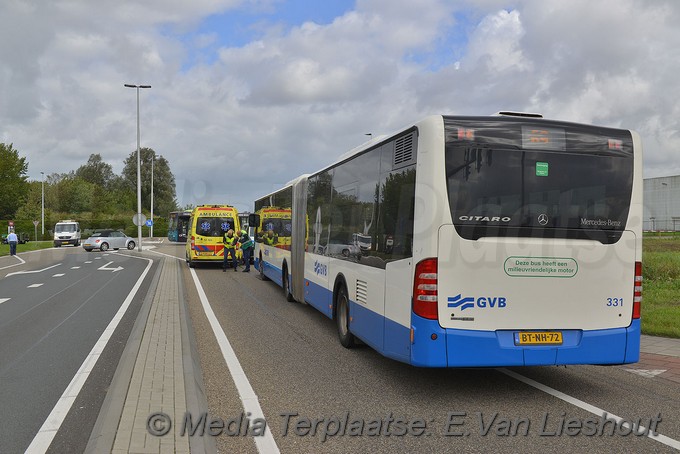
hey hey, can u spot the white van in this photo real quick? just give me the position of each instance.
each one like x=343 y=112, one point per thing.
x=67 y=232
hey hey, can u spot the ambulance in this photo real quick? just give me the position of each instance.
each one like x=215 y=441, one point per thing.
x=207 y=226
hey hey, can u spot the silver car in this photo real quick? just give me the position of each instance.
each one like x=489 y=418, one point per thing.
x=108 y=239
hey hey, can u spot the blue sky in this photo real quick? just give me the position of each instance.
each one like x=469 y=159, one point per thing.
x=295 y=84
x=250 y=22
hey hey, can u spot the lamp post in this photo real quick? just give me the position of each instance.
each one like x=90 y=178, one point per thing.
x=42 y=204
x=139 y=172
x=153 y=158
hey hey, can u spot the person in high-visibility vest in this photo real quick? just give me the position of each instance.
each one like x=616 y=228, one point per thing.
x=229 y=241
x=270 y=238
x=247 y=248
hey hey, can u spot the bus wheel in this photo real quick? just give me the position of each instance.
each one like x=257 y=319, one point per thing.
x=260 y=267
x=286 y=286
x=342 y=318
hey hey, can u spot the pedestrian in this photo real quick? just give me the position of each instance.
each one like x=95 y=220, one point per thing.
x=12 y=240
x=247 y=248
x=229 y=241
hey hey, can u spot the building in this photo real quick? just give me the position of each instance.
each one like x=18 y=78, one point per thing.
x=661 y=203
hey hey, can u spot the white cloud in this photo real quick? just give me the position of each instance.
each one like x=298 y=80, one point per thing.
x=294 y=99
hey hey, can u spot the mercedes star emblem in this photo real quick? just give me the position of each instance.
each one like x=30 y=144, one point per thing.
x=543 y=219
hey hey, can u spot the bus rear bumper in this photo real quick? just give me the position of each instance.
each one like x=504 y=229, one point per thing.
x=468 y=348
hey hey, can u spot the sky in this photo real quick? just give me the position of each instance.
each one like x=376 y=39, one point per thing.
x=248 y=94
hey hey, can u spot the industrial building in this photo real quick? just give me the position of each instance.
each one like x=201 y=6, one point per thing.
x=661 y=204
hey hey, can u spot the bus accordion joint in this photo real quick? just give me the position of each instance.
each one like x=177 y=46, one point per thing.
x=425 y=289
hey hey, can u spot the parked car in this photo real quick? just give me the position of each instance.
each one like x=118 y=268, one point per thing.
x=23 y=238
x=108 y=239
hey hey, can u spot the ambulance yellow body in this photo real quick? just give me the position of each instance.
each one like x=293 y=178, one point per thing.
x=207 y=226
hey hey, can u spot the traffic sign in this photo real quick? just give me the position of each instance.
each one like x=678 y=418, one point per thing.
x=149 y=222
x=142 y=219
x=35 y=223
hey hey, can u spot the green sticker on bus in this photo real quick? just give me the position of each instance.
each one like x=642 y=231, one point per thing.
x=541 y=169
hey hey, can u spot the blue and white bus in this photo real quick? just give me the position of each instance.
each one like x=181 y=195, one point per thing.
x=504 y=240
x=178 y=224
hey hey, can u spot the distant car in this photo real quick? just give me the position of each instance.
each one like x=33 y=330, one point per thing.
x=335 y=248
x=23 y=238
x=108 y=239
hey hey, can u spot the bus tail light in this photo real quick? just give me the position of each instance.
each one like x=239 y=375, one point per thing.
x=637 y=290
x=425 y=289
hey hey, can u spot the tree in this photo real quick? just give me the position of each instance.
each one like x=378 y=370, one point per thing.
x=97 y=172
x=13 y=181
x=72 y=195
x=163 y=181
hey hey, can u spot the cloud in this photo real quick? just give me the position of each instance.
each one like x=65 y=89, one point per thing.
x=237 y=123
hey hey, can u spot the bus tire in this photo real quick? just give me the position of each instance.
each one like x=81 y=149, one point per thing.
x=260 y=267
x=342 y=318
x=286 y=285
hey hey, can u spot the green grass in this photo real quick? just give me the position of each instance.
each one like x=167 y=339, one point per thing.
x=30 y=246
x=661 y=286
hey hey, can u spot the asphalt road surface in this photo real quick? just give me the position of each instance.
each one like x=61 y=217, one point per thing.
x=54 y=309
x=315 y=396
x=359 y=401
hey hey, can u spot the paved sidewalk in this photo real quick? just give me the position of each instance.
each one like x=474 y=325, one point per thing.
x=659 y=357
x=157 y=383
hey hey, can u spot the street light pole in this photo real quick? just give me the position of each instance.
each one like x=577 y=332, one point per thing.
x=139 y=173
x=42 y=204
x=153 y=158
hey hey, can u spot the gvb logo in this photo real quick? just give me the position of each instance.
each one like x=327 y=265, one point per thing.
x=462 y=303
x=320 y=269
x=482 y=302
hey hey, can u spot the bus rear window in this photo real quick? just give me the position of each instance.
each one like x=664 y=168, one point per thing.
x=508 y=177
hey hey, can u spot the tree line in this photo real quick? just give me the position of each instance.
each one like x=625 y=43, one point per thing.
x=92 y=192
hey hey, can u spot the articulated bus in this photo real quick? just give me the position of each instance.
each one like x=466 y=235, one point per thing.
x=178 y=224
x=207 y=226
x=504 y=240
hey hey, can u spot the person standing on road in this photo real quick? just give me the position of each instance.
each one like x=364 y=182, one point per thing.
x=229 y=241
x=247 y=248
x=12 y=240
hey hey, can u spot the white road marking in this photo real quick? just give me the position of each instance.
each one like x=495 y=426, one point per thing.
x=587 y=407
x=104 y=268
x=649 y=373
x=265 y=443
x=89 y=261
x=59 y=275
x=2 y=300
x=45 y=435
x=34 y=285
x=21 y=262
x=75 y=267
x=34 y=271
x=97 y=258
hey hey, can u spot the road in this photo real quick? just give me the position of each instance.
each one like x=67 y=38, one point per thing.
x=302 y=377
x=54 y=308
x=314 y=395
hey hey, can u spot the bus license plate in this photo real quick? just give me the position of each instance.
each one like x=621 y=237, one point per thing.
x=538 y=338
